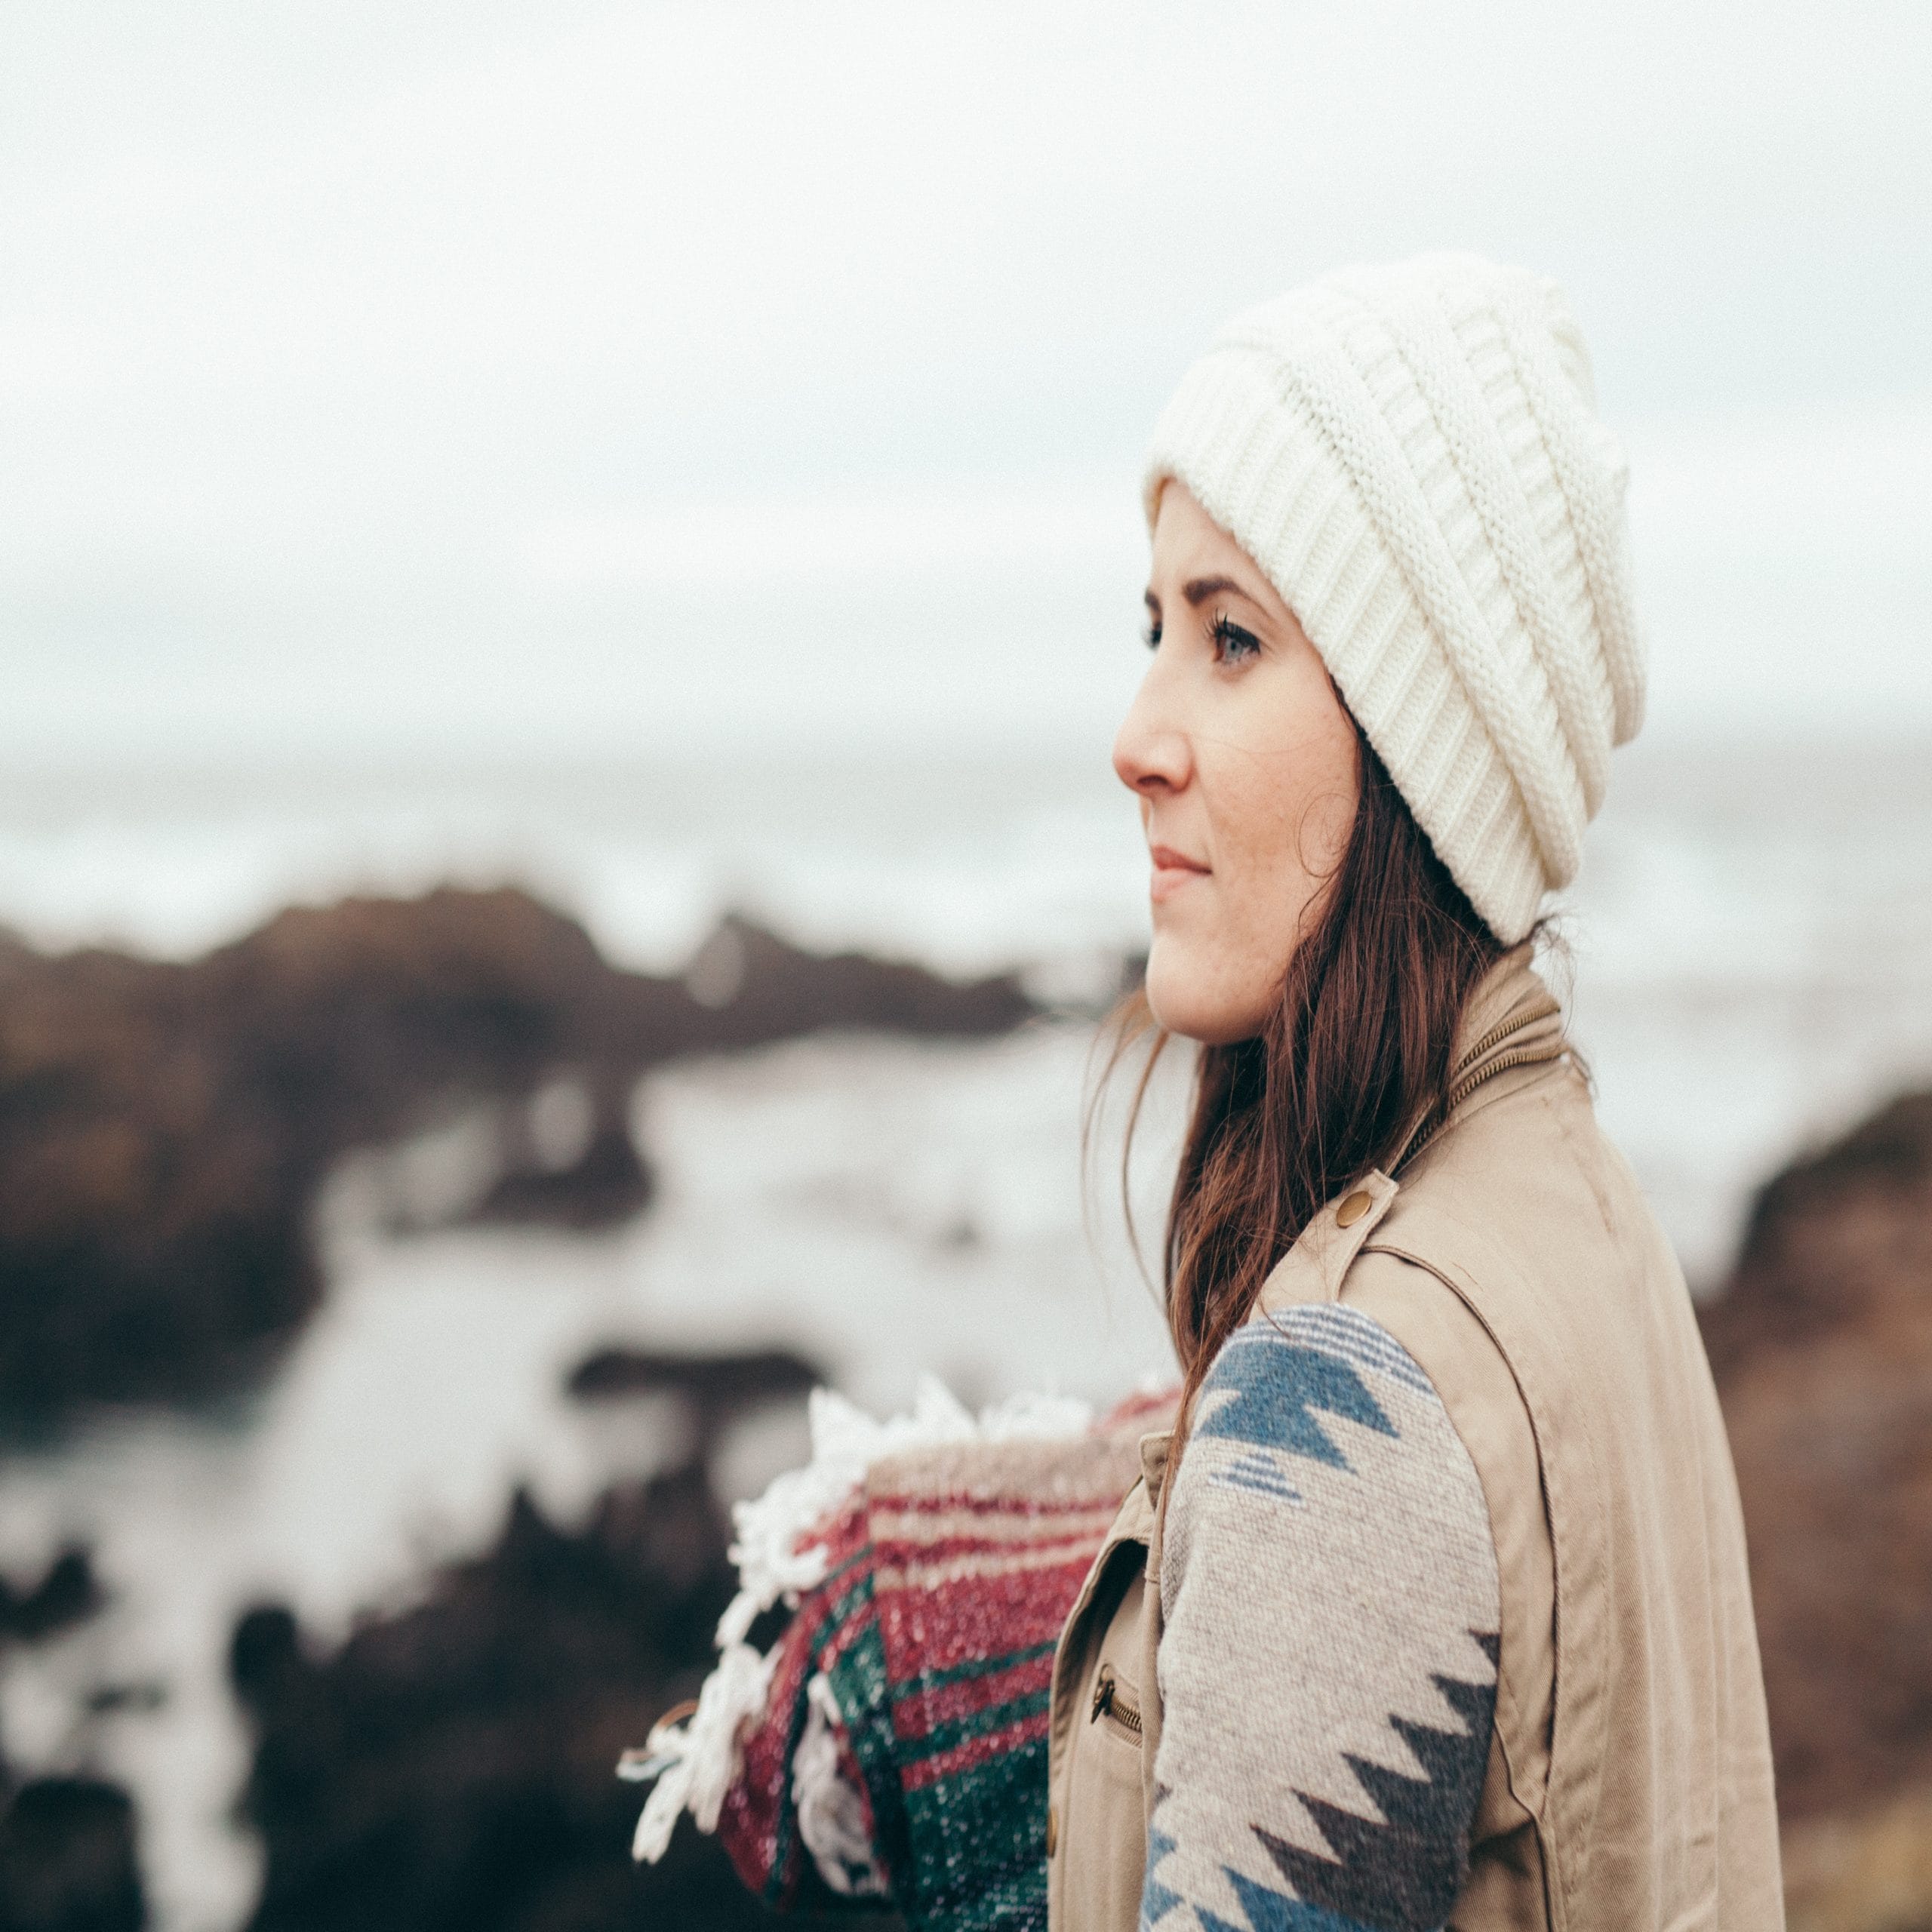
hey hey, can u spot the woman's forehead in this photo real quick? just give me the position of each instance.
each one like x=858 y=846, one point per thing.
x=1185 y=536
x=1191 y=550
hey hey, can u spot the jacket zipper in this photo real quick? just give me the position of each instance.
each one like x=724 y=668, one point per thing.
x=1109 y=1702
x=1470 y=1074
x=1502 y=1063
x=1543 y=1009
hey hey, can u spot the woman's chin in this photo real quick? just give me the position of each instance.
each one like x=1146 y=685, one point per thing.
x=1187 y=1000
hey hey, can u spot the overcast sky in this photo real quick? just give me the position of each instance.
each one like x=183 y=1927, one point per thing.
x=449 y=376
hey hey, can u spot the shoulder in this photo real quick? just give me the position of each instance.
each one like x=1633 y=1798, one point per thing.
x=1441 y=1336
x=1524 y=1181
x=1280 y=1368
x=1550 y=1272
x=1317 y=1428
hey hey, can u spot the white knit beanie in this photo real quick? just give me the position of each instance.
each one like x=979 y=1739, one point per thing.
x=1412 y=455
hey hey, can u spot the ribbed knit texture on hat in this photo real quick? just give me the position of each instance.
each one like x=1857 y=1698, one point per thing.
x=1411 y=453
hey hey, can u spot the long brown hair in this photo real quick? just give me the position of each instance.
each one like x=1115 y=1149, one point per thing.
x=1355 y=1051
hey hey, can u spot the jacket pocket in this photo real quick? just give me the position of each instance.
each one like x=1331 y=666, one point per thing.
x=1115 y=1706
x=1103 y=1837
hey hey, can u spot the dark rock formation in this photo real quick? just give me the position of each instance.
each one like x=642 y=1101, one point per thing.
x=606 y=1184
x=151 y=1218
x=453 y=1766
x=1822 y=1345
x=718 y=1387
x=67 y=1844
x=164 y=1128
x=67 y=1593
x=757 y=988
x=67 y=1859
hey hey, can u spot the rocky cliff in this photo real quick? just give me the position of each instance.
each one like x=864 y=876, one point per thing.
x=1822 y=1345
x=164 y=1128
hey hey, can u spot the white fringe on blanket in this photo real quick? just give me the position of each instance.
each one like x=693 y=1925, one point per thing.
x=694 y=1762
x=834 y=1819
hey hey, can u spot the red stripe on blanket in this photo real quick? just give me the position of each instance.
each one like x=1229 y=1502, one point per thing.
x=916 y=1712
x=974 y=1751
x=894 y=1552
x=927 y=1632
x=930 y=1504
x=1156 y=1405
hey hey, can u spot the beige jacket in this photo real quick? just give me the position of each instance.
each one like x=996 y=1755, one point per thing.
x=1629 y=1784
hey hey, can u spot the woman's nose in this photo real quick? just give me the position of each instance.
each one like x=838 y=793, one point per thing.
x=1150 y=750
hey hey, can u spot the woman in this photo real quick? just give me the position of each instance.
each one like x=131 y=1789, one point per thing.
x=1432 y=1608
x=1444 y=1616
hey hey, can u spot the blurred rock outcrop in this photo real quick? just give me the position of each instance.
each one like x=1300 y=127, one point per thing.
x=451 y=1767
x=67 y=1592
x=67 y=1843
x=164 y=1127
x=1822 y=1345
x=68 y=1849
x=717 y=1389
x=67 y=1859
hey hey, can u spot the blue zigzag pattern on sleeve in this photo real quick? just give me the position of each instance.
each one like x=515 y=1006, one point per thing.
x=1265 y=1389
x=1324 y=1385
x=1261 y=1473
x=1156 y=1900
x=1347 y=1332
x=1271 y=1911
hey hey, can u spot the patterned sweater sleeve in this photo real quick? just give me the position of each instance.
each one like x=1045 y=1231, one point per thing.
x=1329 y=1638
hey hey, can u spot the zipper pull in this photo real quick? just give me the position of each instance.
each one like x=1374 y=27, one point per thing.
x=1104 y=1697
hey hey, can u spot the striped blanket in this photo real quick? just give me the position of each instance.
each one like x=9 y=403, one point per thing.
x=892 y=1744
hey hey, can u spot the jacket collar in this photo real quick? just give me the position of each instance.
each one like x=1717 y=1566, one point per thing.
x=1512 y=1019
x=1510 y=1009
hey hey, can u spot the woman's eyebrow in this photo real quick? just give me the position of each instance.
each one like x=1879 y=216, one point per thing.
x=1198 y=590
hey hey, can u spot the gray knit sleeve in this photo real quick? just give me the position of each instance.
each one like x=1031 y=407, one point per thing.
x=1328 y=1650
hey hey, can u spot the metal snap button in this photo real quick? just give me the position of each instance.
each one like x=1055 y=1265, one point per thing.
x=1353 y=1208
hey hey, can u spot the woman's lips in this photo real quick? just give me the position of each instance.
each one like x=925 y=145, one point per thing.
x=1172 y=870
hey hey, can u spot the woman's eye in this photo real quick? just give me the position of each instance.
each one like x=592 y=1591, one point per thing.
x=1233 y=645
x=1150 y=634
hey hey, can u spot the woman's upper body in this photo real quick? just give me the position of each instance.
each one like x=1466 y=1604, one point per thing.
x=1445 y=1619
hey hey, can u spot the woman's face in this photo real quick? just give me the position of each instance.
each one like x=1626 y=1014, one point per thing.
x=1244 y=758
